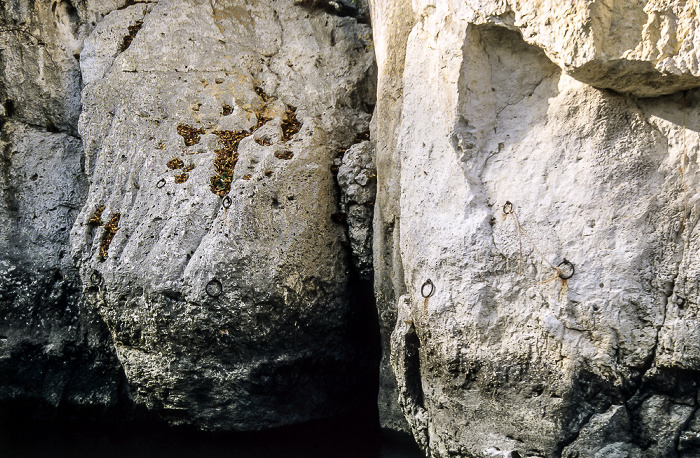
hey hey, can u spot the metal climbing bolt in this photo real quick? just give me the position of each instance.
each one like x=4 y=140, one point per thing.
x=565 y=269
x=214 y=288
x=507 y=208
x=95 y=278
x=427 y=289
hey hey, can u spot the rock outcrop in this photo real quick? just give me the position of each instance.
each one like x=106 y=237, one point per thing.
x=207 y=240
x=199 y=186
x=189 y=196
x=536 y=231
x=357 y=177
x=56 y=357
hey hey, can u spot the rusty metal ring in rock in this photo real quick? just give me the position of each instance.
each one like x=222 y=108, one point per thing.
x=226 y=202
x=214 y=288
x=507 y=208
x=427 y=289
x=160 y=183
x=565 y=269
x=95 y=278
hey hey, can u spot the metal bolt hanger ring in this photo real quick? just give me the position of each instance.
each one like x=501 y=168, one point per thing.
x=214 y=288
x=430 y=286
x=95 y=278
x=508 y=207
x=568 y=266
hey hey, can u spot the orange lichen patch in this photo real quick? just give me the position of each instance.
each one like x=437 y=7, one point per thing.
x=226 y=110
x=175 y=163
x=110 y=229
x=189 y=168
x=190 y=134
x=161 y=146
x=181 y=178
x=133 y=30
x=290 y=126
x=96 y=218
x=286 y=155
x=247 y=176
x=263 y=141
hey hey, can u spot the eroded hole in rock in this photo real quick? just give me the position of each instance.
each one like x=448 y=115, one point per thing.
x=9 y=108
x=290 y=126
x=133 y=30
x=414 y=387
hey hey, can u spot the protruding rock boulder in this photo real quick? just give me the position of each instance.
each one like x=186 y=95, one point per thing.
x=209 y=137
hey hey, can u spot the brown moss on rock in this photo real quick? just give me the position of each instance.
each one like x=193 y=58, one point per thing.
x=291 y=125
x=286 y=155
x=189 y=134
x=110 y=229
x=175 y=163
x=96 y=218
x=226 y=159
x=181 y=178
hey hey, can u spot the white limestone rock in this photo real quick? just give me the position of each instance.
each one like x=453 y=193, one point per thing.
x=233 y=312
x=498 y=109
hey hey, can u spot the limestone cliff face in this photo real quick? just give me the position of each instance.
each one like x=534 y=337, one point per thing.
x=187 y=188
x=544 y=236
x=208 y=240
x=188 y=150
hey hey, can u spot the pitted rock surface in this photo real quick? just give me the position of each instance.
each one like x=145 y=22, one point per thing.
x=229 y=307
x=506 y=356
x=357 y=177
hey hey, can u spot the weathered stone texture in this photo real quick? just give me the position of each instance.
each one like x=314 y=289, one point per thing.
x=506 y=356
x=391 y=24
x=56 y=357
x=357 y=177
x=229 y=307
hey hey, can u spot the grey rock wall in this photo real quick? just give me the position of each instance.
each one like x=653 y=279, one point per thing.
x=357 y=177
x=56 y=357
x=498 y=354
x=220 y=296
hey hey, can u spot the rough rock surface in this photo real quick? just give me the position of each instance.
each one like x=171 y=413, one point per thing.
x=503 y=356
x=209 y=136
x=391 y=24
x=645 y=48
x=56 y=357
x=357 y=177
